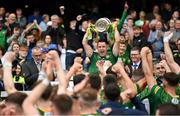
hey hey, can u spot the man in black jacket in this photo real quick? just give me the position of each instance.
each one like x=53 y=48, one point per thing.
x=138 y=40
x=32 y=67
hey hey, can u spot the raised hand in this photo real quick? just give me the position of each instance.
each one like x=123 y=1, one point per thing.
x=79 y=17
x=8 y=57
x=167 y=36
x=126 y=6
x=49 y=70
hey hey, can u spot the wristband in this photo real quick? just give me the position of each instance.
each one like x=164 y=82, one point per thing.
x=42 y=75
x=168 y=37
x=7 y=65
x=46 y=82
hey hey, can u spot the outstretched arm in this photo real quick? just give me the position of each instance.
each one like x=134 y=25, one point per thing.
x=169 y=57
x=31 y=100
x=86 y=46
x=7 y=72
x=119 y=69
x=123 y=17
x=145 y=55
x=62 y=88
x=116 y=44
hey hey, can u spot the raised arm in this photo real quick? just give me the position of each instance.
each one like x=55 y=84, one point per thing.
x=145 y=53
x=31 y=100
x=29 y=27
x=165 y=65
x=123 y=17
x=39 y=28
x=74 y=68
x=62 y=88
x=169 y=57
x=80 y=86
x=7 y=60
x=87 y=47
x=116 y=44
x=119 y=69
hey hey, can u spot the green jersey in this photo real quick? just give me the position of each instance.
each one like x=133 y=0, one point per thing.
x=95 y=57
x=125 y=59
x=3 y=38
x=159 y=96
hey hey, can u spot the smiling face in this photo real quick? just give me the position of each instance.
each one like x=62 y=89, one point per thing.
x=135 y=56
x=18 y=70
x=15 y=48
x=102 y=49
x=122 y=48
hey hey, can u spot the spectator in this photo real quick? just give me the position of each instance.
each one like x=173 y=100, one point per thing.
x=175 y=15
x=21 y=20
x=18 y=78
x=43 y=24
x=55 y=31
x=3 y=33
x=167 y=12
x=155 y=11
x=23 y=51
x=32 y=67
x=155 y=39
x=47 y=41
x=74 y=44
x=136 y=63
x=176 y=34
x=2 y=14
x=138 y=38
x=35 y=16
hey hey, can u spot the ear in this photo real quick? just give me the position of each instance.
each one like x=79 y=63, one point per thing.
x=12 y=111
x=164 y=82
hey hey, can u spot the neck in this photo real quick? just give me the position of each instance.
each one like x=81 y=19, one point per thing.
x=43 y=105
x=136 y=62
x=88 y=110
x=170 y=90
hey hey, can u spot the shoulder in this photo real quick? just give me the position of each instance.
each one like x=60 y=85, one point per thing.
x=156 y=89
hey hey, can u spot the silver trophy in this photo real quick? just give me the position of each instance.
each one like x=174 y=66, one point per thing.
x=102 y=24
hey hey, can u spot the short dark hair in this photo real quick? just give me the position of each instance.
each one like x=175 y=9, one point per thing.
x=78 y=78
x=138 y=74
x=109 y=71
x=29 y=34
x=95 y=81
x=88 y=95
x=16 y=98
x=63 y=103
x=169 y=109
x=109 y=79
x=47 y=93
x=171 y=78
x=103 y=40
x=135 y=49
x=112 y=92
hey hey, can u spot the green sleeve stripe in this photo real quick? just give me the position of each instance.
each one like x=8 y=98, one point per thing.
x=156 y=89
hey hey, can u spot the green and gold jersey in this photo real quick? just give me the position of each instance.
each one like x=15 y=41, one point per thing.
x=159 y=96
x=95 y=57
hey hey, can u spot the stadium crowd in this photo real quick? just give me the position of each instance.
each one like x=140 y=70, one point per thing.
x=52 y=65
